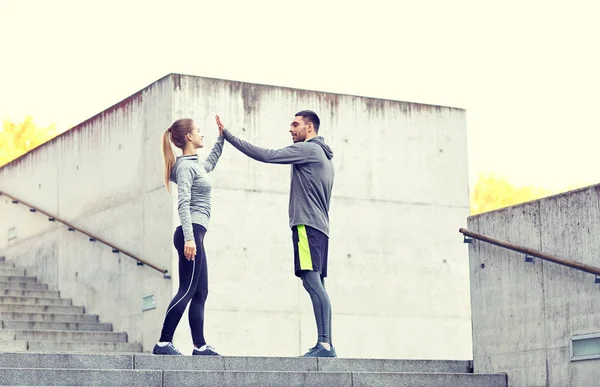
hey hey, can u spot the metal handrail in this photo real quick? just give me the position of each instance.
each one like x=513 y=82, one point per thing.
x=92 y=237
x=532 y=253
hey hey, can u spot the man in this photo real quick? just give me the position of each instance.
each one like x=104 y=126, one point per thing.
x=310 y=194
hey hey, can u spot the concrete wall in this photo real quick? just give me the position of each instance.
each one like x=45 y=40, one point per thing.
x=101 y=177
x=524 y=314
x=398 y=280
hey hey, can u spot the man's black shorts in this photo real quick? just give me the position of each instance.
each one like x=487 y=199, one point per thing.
x=310 y=250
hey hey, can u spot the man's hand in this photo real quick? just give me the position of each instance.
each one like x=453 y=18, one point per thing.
x=220 y=125
x=189 y=250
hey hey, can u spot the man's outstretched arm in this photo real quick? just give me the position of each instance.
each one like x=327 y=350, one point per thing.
x=293 y=154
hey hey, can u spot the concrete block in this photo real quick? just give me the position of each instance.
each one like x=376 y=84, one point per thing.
x=65 y=361
x=506 y=292
x=154 y=362
x=257 y=379
x=288 y=364
x=42 y=309
x=56 y=326
x=11 y=345
x=385 y=379
x=48 y=317
x=65 y=377
x=112 y=337
x=85 y=347
x=12 y=272
x=23 y=285
x=29 y=293
x=524 y=368
x=13 y=278
x=387 y=365
x=4 y=300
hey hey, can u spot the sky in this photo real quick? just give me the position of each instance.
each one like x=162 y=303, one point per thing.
x=527 y=72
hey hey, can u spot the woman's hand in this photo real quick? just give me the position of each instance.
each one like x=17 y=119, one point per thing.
x=220 y=125
x=189 y=250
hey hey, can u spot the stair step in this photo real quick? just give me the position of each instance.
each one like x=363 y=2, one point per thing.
x=7 y=265
x=16 y=278
x=5 y=300
x=41 y=308
x=29 y=293
x=214 y=363
x=76 y=336
x=56 y=326
x=324 y=378
x=22 y=285
x=297 y=364
x=48 y=317
x=394 y=365
x=12 y=345
x=11 y=272
x=87 y=347
x=65 y=360
x=67 y=377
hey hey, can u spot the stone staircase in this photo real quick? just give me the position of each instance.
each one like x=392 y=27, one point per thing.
x=46 y=341
x=29 y=369
x=32 y=318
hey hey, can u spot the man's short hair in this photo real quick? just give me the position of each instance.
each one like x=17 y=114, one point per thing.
x=310 y=116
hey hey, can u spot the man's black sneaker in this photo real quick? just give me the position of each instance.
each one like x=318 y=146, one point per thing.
x=208 y=351
x=320 y=351
x=168 y=349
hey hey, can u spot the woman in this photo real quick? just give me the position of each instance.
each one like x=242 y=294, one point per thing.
x=194 y=196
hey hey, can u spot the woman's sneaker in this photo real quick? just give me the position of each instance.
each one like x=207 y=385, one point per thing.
x=205 y=350
x=320 y=351
x=168 y=349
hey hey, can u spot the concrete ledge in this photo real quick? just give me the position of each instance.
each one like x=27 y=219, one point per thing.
x=29 y=293
x=216 y=363
x=262 y=379
x=63 y=377
x=297 y=364
x=157 y=362
x=42 y=309
x=5 y=300
x=57 y=326
x=364 y=379
x=21 y=334
x=48 y=317
x=392 y=365
x=84 y=347
x=7 y=344
x=11 y=271
x=70 y=361
x=23 y=285
x=18 y=278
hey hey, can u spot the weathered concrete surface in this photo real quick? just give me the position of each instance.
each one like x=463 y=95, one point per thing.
x=96 y=176
x=398 y=279
x=238 y=371
x=524 y=314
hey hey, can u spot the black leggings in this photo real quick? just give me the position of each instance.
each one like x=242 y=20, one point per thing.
x=193 y=285
x=314 y=284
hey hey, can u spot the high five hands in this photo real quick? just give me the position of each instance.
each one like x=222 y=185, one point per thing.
x=220 y=125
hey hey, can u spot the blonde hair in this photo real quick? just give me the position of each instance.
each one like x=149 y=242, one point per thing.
x=174 y=134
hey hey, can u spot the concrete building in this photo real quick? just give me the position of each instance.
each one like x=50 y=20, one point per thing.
x=398 y=278
x=524 y=314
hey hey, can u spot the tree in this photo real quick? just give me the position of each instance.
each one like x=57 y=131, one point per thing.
x=17 y=139
x=492 y=192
